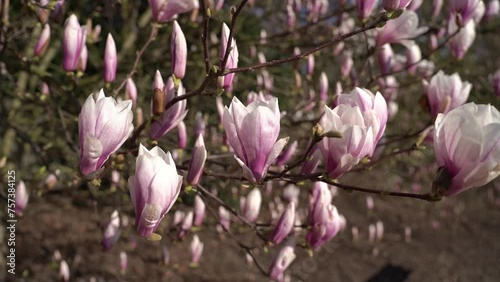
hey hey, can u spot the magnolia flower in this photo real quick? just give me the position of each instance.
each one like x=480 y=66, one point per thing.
x=232 y=61
x=323 y=217
x=22 y=197
x=402 y=28
x=64 y=271
x=178 y=51
x=460 y=42
x=73 y=41
x=365 y=8
x=224 y=217
x=153 y=189
x=467 y=9
x=170 y=117
x=357 y=141
x=446 y=92
x=492 y=10
x=287 y=154
x=284 y=258
x=197 y=163
x=166 y=10
x=385 y=57
x=43 y=41
x=131 y=91
x=467 y=147
x=199 y=211
x=112 y=231
x=312 y=161
x=391 y=5
x=414 y=4
x=252 y=132
x=104 y=125
x=82 y=60
x=123 y=261
x=413 y=56
x=373 y=107
x=250 y=206
x=437 y=5
x=285 y=224
x=110 y=59
x=196 y=249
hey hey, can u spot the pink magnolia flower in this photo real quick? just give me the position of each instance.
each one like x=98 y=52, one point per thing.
x=391 y=5
x=252 y=132
x=341 y=154
x=467 y=145
x=182 y=135
x=284 y=258
x=153 y=189
x=224 y=217
x=461 y=42
x=437 y=5
x=415 y=4
x=323 y=87
x=250 y=206
x=22 y=197
x=413 y=57
x=467 y=9
x=112 y=231
x=104 y=125
x=285 y=224
x=131 y=91
x=166 y=10
x=232 y=61
x=196 y=249
x=287 y=154
x=492 y=10
x=43 y=41
x=385 y=57
x=171 y=117
x=199 y=211
x=403 y=28
x=178 y=51
x=73 y=41
x=82 y=60
x=323 y=216
x=64 y=273
x=373 y=107
x=446 y=92
x=197 y=163
x=365 y=8
x=110 y=59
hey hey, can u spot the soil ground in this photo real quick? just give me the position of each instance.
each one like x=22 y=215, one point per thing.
x=456 y=239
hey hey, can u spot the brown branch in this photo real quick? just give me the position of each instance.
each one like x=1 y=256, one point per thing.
x=231 y=210
x=381 y=19
x=152 y=37
x=204 y=36
x=230 y=38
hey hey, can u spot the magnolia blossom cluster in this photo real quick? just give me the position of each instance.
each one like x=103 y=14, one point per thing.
x=323 y=216
x=466 y=137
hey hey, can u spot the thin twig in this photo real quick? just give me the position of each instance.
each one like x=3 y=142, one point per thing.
x=152 y=37
x=337 y=39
